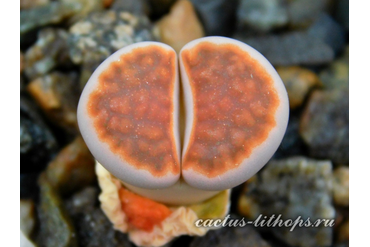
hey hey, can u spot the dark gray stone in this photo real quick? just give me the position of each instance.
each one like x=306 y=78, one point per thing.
x=94 y=38
x=160 y=7
x=49 y=51
x=22 y=84
x=37 y=143
x=302 y=13
x=292 y=48
x=52 y=13
x=56 y=227
x=292 y=143
x=324 y=125
x=327 y=30
x=245 y=236
x=336 y=75
x=342 y=13
x=137 y=7
x=262 y=15
x=315 y=46
x=294 y=188
x=218 y=16
x=92 y=226
x=28 y=184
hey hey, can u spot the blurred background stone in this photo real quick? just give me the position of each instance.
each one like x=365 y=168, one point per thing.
x=292 y=187
x=342 y=14
x=92 y=226
x=28 y=4
x=27 y=217
x=294 y=48
x=21 y=62
x=298 y=82
x=37 y=143
x=86 y=7
x=292 y=143
x=262 y=15
x=51 y=13
x=49 y=51
x=336 y=75
x=97 y=36
x=245 y=236
x=136 y=7
x=180 y=26
x=324 y=125
x=325 y=28
x=28 y=185
x=159 y=7
x=341 y=186
x=57 y=94
x=304 y=12
x=24 y=241
x=56 y=228
x=343 y=234
x=316 y=45
x=217 y=16
x=72 y=169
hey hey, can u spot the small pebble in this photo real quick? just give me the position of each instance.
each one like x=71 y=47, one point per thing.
x=180 y=26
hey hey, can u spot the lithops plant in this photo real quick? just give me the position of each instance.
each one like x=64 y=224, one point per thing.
x=236 y=113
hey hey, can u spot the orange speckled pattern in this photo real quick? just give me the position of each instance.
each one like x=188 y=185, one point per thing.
x=234 y=107
x=132 y=109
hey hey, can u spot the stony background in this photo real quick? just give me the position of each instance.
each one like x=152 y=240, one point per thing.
x=63 y=41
